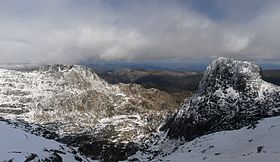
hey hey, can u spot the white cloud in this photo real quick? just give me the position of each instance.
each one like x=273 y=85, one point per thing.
x=234 y=43
x=69 y=32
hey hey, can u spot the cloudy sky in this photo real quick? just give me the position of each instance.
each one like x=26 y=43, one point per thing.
x=73 y=31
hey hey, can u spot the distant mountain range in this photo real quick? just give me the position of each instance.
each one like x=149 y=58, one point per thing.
x=164 y=65
x=106 y=66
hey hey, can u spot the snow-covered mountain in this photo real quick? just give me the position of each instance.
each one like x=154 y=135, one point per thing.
x=75 y=103
x=74 y=99
x=231 y=95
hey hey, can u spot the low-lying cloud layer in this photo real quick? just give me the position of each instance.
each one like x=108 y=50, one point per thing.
x=71 y=31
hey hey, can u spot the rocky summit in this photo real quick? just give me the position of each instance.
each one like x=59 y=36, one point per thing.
x=231 y=95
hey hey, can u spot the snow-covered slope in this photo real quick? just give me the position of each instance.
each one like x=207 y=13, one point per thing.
x=74 y=99
x=17 y=145
x=257 y=144
x=231 y=95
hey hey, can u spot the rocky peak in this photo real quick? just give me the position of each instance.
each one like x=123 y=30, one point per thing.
x=231 y=95
x=227 y=72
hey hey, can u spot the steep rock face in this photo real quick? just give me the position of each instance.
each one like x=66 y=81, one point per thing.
x=73 y=99
x=231 y=95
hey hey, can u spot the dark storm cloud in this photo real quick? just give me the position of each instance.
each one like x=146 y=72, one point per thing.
x=71 y=31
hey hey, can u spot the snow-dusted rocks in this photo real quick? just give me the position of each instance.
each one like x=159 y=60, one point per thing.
x=73 y=99
x=231 y=95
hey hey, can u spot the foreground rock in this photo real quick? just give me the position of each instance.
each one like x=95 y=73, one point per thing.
x=103 y=150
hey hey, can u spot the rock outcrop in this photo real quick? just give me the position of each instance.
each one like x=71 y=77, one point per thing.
x=231 y=95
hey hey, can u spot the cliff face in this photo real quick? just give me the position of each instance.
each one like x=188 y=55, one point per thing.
x=70 y=99
x=231 y=95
